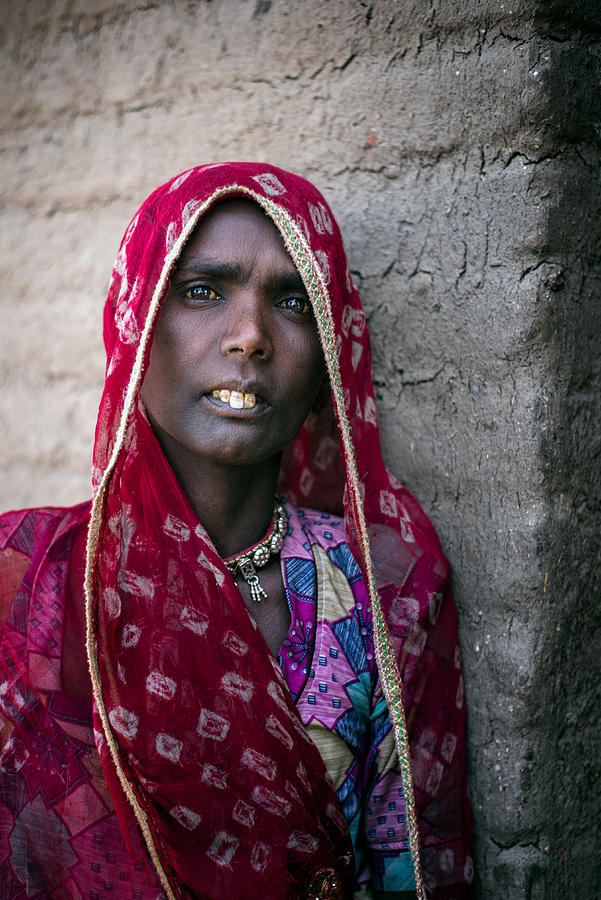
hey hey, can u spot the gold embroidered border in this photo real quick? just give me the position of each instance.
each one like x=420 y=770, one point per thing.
x=94 y=537
x=315 y=284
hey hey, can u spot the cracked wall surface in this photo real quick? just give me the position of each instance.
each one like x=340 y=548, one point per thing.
x=459 y=144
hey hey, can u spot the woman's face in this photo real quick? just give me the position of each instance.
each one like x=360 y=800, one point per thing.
x=236 y=320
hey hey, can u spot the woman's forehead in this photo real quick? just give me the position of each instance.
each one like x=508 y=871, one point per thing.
x=236 y=230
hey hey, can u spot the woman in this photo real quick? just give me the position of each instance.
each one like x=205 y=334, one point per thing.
x=245 y=652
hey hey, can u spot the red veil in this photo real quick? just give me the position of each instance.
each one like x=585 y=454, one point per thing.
x=196 y=730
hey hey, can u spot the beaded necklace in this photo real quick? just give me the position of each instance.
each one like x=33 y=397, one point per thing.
x=248 y=561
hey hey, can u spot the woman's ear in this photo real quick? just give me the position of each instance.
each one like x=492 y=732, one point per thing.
x=323 y=395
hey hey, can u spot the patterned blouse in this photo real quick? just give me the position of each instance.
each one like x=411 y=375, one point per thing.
x=59 y=833
x=328 y=661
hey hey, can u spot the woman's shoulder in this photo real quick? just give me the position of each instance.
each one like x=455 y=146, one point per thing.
x=327 y=531
x=31 y=538
x=22 y=530
x=325 y=528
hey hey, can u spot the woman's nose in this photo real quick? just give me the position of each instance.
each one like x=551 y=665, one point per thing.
x=247 y=330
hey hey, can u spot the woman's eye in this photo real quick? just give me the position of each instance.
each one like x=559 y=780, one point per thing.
x=200 y=293
x=300 y=305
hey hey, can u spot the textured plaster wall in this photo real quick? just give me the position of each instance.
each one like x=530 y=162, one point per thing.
x=459 y=144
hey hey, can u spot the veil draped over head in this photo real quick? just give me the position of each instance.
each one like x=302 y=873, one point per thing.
x=196 y=730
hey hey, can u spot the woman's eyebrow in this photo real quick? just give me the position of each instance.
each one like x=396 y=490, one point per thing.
x=285 y=281
x=195 y=265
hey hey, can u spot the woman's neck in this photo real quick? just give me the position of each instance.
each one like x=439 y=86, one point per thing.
x=234 y=503
x=236 y=512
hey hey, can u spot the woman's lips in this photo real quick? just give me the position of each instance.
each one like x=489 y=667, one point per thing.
x=236 y=399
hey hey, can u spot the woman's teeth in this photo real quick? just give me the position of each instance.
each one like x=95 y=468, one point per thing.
x=236 y=399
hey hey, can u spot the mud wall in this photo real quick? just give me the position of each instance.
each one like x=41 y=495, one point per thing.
x=459 y=144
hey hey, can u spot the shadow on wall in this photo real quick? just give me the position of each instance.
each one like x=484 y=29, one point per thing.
x=566 y=690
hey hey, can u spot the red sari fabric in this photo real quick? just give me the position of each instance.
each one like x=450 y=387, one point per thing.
x=232 y=789
x=196 y=730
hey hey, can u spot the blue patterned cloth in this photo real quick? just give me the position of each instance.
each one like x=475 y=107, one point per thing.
x=328 y=660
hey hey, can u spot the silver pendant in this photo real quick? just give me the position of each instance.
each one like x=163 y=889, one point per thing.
x=247 y=563
x=249 y=573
